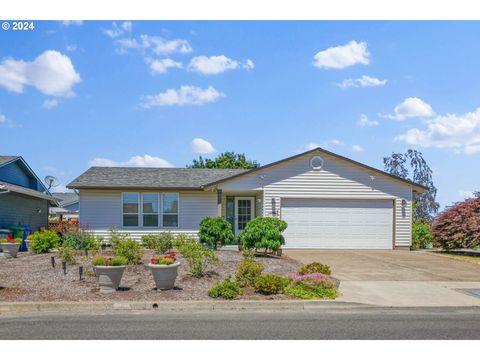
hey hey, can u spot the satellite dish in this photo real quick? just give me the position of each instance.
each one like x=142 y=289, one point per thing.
x=51 y=181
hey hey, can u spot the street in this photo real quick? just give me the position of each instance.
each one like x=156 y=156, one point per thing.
x=368 y=323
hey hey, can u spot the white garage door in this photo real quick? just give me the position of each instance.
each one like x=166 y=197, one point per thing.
x=338 y=224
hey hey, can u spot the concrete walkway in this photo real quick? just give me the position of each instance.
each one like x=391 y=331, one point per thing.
x=398 y=278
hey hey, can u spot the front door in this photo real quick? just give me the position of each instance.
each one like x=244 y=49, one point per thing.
x=244 y=212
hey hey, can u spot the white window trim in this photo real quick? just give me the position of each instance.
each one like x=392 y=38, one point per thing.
x=159 y=195
x=138 y=212
x=177 y=213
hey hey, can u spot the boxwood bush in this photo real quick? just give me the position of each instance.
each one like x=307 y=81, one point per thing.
x=263 y=233
x=215 y=231
x=226 y=289
x=270 y=284
x=248 y=271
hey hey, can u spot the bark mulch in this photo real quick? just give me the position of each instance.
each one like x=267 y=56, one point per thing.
x=32 y=278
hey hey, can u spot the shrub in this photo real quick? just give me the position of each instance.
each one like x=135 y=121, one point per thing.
x=226 y=289
x=116 y=236
x=67 y=253
x=161 y=243
x=270 y=284
x=248 y=271
x=421 y=236
x=315 y=267
x=107 y=261
x=80 y=240
x=43 y=241
x=130 y=250
x=312 y=286
x=197 y=257
x=458 y=226
x=263 y=233
x=215 y=231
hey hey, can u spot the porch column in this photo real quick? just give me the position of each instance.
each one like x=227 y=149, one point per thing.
x=219 y=202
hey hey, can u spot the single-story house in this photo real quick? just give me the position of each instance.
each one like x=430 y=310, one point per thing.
x=327 y=200
x=24 y=199
x=68 y=205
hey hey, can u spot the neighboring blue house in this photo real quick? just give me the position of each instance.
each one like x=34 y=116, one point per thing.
x=24 y=199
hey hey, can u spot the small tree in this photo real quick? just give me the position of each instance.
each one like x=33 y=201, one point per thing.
x=458 y=226
x=263 y=233
x=226 y=160
x=215 y=231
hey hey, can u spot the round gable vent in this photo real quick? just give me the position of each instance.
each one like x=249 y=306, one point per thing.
x=316 y=162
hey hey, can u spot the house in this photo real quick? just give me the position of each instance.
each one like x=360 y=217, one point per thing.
x=327 y=200
x=68 y=205
x=24 y=200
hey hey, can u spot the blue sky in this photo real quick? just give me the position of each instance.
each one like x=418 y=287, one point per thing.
x=139 y=93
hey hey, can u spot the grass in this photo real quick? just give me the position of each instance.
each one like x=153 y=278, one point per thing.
x=461 y=257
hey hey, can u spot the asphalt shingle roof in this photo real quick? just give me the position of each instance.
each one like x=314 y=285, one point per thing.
x=154 y=178
x=4 y=159
x=65 y=198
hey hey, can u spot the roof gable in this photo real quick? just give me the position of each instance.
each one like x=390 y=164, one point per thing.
x=15 y=170
x=416 y=187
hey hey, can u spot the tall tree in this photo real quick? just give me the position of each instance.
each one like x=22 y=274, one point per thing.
x=413 y=166
x=226 y=160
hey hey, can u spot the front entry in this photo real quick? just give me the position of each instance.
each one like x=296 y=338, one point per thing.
x=244 y=212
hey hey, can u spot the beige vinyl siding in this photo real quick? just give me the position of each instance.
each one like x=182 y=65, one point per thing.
x=338 y=179
x=102 y=209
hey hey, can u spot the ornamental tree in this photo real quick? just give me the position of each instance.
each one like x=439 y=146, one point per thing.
x=263 y=233
x=215 y=231
x=458 y=226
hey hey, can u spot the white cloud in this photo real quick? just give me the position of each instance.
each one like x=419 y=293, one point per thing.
x=214 y=65
x=357 y=148
x=72 y=47
x=4 y=121
x=50 y=103
x=326 y=144
x=116 y=30
x=60 y=189
x=134 y=161
x=161 y=66
x=460 y=133
x=411 y=107
x=466 y=194
x=186 y=95
x=156 y=44
x=364 y=121
x=363 y=81
x=72 y=22
x=202 y=146
x=52 y=73
x=340 y=57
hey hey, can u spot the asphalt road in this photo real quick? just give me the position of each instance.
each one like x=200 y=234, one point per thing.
x=377 y=323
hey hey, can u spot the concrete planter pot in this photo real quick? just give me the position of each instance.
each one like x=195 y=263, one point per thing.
x=29 y=246
x=109 y=277
x=10 y=250
x=164 y=275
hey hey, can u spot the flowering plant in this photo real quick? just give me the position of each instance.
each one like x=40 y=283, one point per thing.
x=315 y=278
x=11 y=240
x=164 y=260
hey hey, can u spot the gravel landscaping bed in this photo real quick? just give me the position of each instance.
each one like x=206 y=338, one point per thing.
x=32 y=278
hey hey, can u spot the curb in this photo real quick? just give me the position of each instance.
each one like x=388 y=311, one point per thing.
x=235 y=305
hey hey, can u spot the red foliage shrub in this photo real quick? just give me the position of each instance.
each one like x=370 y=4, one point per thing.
x=458 y=226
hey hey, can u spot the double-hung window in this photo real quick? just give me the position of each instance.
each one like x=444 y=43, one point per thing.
x=150 y=209
x=170 y=210
x=130 y=206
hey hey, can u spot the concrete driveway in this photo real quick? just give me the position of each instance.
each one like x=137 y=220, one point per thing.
x=398 y=278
